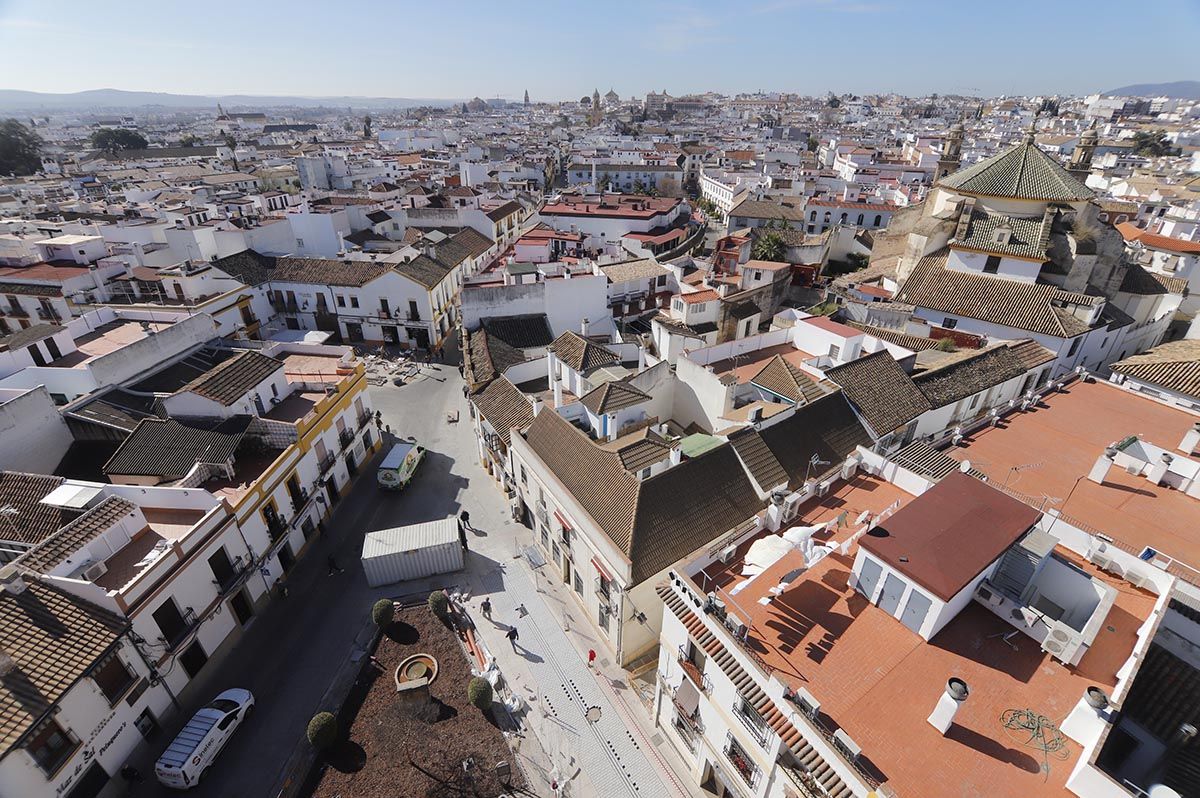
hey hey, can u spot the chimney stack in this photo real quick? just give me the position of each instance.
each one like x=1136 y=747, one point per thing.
x=955 y=694
x=583 y=327
x=1158 y=471
x=1191 y=439
x=11 y=580
x=1100 y=467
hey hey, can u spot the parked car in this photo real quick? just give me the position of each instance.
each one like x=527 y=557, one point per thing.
x=399 y=465
x=187 y=759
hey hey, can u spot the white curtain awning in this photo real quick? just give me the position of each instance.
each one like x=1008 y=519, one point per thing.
x=687 y=696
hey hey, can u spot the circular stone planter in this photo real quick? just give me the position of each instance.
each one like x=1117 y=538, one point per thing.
x=416 y=669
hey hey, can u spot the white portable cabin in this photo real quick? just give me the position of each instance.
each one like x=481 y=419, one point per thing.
x=412 y=552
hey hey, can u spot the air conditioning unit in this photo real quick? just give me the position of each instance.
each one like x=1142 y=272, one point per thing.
x=849 y=469
x=736 y=626
x=727 y=553
x=823 y=489
x=95 y=571
x=809 y=705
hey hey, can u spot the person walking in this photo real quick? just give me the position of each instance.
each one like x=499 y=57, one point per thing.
x=131 y=775
x=591 y=657
x=512 y=636
x=465 y=517
x=333 y=566
x=486 y=606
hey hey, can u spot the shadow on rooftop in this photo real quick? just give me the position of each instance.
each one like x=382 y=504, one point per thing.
x=993 y=748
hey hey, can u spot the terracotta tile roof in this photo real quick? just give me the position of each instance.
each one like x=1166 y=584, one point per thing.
x=948 y=535
x=229 y=381
x=54 y=639
x=655 y=521
x=77 y=533
x=33 y=521
x=1174 y=366
x=613 y=396
x=1131 y=232
x=757 y=459
x=644 y=268
x=913 y=342
x=422 y=270
x=1022 y=306
x=168 y=449
x=769 y=209
x=581 y=354
x=505 y=210
x=826 y=427
x=969 y=372
x=526 y=331
x=29 y=335
x=486 y=357
x=885 y=396
x=322 y=271
x=1025 y=239
x=504 y=407
x=783 y=379
x=695 y=297
x=639 y=449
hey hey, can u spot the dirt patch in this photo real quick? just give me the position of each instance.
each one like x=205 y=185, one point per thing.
x=392 y=736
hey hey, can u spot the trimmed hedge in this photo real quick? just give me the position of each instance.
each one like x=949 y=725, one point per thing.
x=479 y=693
x=383 y=612
x=439 y=605
x=322 y=731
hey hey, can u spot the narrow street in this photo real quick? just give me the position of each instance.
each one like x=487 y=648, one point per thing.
x=293 y=650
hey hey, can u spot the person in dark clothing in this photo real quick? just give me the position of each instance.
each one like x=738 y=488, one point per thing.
x=333 y=566
x=131 y=775
x=486 y=606
x=512 y=636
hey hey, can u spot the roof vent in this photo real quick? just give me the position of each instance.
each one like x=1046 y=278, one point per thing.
x=955 y=694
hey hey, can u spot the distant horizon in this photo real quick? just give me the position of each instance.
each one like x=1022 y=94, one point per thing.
x=807 y=47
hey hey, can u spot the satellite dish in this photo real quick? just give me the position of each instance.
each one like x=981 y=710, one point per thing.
x=964 y=466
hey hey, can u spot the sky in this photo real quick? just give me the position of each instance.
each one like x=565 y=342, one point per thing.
x=563 y=50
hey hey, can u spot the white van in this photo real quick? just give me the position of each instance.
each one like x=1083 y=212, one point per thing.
x=398 y=467
x=188 y=757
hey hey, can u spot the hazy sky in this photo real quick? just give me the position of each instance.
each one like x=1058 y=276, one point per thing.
x=561 y=50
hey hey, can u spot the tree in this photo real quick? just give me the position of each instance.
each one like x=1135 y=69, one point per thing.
x=188 y=140
x=367 y=127
x=439 y=605
x=479 y=693
x=20 y=149
x=834 y=102
x=858 y=260
x=382 y=612
x=1152 y=144
x=813 y=144
x=115 y=140
x=769 y=246
x=322 y=731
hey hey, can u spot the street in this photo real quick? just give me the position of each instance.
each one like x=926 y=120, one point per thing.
x=293 y=650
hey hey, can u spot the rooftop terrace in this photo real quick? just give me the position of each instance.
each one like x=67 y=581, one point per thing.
x=1047 y=454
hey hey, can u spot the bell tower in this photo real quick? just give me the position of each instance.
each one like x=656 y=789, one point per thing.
x=1081 y=157
x=951 y=152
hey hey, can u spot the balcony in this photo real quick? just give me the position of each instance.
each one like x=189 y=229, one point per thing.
x=364 y=419
x=326 y=463
x=412 y=316
x=742 y=763
x=16 y=311
x=693 y=672
x=232 y=581
x=299 y=500
x=688 y=725
x=276 y=527
x=804 y=782
x=346 y=437
x=542 y=516
x=754 y=722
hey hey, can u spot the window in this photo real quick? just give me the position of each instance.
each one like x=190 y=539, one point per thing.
x=353 y=301
x=645 y=473
x=1074 y=347
x=170 y=622
x=812 y=217
x=757 y=274
x=878 y=220
x=300 y=242
x=50 y=746
x=834 y=351
x=993 y=264
x=860 y=219
x=341 y=301
x=949 y=323
x=112 y=677
x=524 y=476
x=545 y=537
x=578 y=583
x=193 y=659
x=752 y=720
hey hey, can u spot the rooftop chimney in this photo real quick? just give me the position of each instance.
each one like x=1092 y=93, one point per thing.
x=943 y=713
x=11 y=580
x=1158 y=471
x=7 y=664
x=1100 y=467
x=583 y=327
x=1191 y=439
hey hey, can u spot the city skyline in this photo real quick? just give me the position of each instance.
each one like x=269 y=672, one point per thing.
x=228 y=51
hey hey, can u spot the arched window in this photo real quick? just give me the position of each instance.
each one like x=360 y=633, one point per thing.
x=812 y=217
x=844 y=218
x=827 y=217
x=878 y=219
x=860 y=219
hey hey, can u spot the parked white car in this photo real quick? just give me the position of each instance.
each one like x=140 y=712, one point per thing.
x=187 y=759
